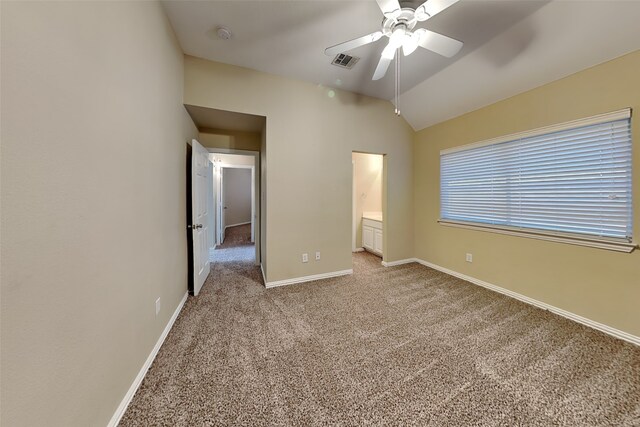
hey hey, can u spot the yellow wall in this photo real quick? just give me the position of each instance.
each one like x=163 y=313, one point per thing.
x=600 y=285
x=94 y=138
x=310 y=136
x=229 y=139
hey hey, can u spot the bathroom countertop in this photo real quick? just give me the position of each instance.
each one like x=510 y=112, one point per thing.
x=374 y=216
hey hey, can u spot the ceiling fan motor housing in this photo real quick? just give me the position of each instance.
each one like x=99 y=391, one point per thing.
x=406 y=18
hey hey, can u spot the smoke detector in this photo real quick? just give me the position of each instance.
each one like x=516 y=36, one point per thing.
x=223 y=33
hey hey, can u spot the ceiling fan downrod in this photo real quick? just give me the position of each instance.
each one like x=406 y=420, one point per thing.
x=397 y=85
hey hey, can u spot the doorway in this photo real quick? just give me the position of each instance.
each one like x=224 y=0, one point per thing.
x=368 y=203
x=233 y=201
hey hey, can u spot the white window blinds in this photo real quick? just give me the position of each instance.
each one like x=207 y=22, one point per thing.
x=573 y=178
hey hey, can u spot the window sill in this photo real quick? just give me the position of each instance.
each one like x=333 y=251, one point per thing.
x=611 y=245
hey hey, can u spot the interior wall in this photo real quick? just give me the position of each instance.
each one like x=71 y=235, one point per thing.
x=598 y=284
x=230 y=139
x=94 y=137
x=311 y=135
x=237 y=196
x=368 y=183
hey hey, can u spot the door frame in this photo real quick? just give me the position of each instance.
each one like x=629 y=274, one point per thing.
x=256 y=222
x=354 y=220
x=354 y=195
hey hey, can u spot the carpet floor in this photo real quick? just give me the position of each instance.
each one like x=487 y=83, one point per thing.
x=237 y=246
x=238 y=235
x=404 y=345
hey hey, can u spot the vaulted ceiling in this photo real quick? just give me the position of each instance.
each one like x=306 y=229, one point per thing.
x=510 y=46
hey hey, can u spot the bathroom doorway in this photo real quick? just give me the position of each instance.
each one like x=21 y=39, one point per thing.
x=368 y=206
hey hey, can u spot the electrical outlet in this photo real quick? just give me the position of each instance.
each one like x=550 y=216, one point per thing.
x=305 y=257
x=318 y=256
x=469 y=257
x=157 y=306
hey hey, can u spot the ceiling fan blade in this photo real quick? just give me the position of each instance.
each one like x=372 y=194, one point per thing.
x=382 y=67
x=443 y=45
x=387 y=56
x=431 y=8
x=389 y=8
x=352 y=44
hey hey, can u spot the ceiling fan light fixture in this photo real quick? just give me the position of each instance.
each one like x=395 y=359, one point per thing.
x=410 y=43
x=398 y=36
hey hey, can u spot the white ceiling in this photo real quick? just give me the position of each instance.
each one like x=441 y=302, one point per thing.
x=510 y=46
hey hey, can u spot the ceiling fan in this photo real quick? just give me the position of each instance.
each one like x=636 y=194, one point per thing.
x=398 y=25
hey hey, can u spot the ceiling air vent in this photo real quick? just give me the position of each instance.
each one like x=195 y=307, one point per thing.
x=345 y=61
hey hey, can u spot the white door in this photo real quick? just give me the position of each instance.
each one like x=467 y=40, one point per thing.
x=201 y=186
x=212 y=209
x=218 y=203
x=221 y=207
x=253 y=205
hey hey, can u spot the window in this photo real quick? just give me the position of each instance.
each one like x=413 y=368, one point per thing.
x=568 y=182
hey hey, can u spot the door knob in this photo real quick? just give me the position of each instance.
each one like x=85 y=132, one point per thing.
x=197 y=226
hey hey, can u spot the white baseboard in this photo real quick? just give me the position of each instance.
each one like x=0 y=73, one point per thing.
x=307 y=278
x=399 y=262
x=117 y=416
x=235 y=225
x=358 y=250
x=576 y=318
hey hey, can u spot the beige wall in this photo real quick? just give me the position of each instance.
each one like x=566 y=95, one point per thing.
x=368 y=183
x=237 y=196
x=230 y=139
x=93 y=203
x=310 y=137
x=600 y=285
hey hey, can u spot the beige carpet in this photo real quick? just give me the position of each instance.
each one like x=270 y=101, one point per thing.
x=406 y=345
x=238 y=235
x=237 y=246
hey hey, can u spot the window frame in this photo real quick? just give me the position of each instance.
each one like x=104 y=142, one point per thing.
x=580 y=239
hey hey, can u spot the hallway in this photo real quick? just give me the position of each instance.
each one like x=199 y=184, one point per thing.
x=237 y=246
